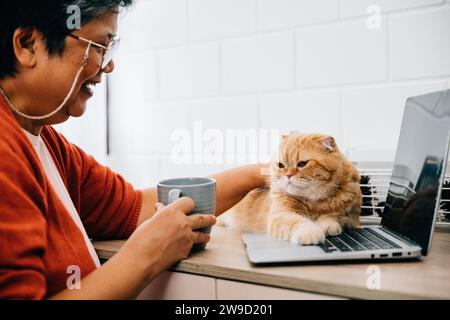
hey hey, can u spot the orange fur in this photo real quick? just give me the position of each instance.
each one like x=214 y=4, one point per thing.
x=321 y=197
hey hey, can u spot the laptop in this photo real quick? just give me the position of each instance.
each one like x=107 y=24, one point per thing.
x=412 y=201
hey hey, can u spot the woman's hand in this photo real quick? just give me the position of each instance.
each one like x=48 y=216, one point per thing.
x=157 y=244
x=233 y=185
x=168 y=236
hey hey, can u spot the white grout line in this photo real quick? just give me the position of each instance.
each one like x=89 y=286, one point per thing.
x=188 y=24
x=388 y=49
x=340 y=10
x=257 y=16
x=258 y=113
x=346 y=87
x=417 y=10
x=221 y=74
x=252 y=35
x=296 y=84
x=260 y=33
x=158 y=78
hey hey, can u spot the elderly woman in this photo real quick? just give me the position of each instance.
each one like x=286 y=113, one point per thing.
x=54 y=197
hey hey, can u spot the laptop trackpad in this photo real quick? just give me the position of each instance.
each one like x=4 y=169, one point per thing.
x=263 y=248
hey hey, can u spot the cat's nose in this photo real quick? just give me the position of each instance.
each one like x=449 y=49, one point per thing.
x=289 y=176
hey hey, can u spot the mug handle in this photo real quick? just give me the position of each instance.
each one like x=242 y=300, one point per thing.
x=174 y=195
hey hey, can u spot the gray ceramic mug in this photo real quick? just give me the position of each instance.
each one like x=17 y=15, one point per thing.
x=201 y=190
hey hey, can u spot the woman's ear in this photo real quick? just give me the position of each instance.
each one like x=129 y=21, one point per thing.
x=25 y=42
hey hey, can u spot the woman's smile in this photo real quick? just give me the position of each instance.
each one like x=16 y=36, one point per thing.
x=88 y=88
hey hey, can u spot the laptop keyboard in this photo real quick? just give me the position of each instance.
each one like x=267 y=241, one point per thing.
x=357 y=240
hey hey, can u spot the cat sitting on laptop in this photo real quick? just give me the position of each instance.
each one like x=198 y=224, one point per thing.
x=314 y=192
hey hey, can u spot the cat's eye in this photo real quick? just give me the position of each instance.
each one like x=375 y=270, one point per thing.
x=280 y=165
x=302 y=164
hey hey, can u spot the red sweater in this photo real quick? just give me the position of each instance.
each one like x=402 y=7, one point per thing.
x=38 y=238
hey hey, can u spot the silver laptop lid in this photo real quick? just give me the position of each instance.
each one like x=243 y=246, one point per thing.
x=417 y=177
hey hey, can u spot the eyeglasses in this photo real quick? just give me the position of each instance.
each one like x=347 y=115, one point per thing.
x=108 y=51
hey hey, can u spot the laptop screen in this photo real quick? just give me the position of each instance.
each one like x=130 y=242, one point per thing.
x=413 y=198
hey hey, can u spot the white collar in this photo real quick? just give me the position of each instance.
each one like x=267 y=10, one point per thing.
x=35 y=140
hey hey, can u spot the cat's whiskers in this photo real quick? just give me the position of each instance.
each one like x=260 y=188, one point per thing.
x=300 y=181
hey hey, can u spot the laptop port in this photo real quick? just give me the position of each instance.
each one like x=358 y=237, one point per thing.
x=384 y=255
x=397 y=254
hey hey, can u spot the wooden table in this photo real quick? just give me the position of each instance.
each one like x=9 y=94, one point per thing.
x=225 y=258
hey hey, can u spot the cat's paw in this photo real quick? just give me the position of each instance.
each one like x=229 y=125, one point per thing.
x=330 y=227
x=308 y=233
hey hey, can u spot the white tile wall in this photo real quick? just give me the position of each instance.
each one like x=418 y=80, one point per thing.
x=154 y=24
x=147 y=129
x=372 y=116
x=218 y=117
x=263 y=64
x=313 y=112
x=276 y=14
x=170 y=170
x=258 y=63
x=341 y=53
x=213 y=19
x=420 y=44
x=127 y=91
x=224 y=113
x=140 y=171
x=189 y=71
x=351 y=8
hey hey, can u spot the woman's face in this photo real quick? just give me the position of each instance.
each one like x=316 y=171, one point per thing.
x=54 y=75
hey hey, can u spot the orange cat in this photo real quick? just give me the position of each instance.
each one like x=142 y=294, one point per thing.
x=314 y=192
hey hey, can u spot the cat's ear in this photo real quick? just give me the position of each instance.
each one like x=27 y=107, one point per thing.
x=329 y=143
